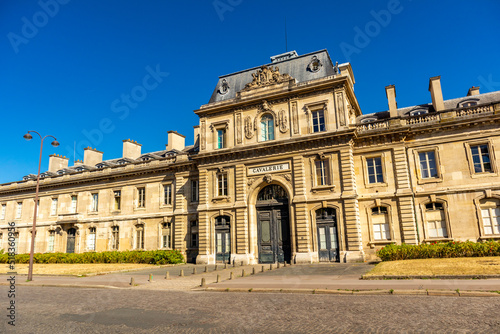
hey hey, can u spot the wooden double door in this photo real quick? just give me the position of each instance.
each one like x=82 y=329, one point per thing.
x=273 y=230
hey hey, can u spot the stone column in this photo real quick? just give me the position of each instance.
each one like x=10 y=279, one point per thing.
x=203 y=220
x=303 y=252
x=241 y=222
x=351 y=209
x=406 y=205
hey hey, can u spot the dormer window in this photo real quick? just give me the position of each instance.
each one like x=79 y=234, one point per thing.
x=418 y=112
x=100 y=166
x=122 y=162
x=369 y=119
x=467 y=103
x=79 y=169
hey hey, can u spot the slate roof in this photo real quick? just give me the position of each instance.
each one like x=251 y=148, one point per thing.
x=484 y=98
x=296 y=67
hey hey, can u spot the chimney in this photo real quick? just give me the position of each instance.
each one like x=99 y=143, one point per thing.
x=91 y=156
x=473 y=91
x=196 y=135
x=176 y=141
x=390 y=92
x=131 y=149
x=57 y=162
x=436 y=93
x=78 y=163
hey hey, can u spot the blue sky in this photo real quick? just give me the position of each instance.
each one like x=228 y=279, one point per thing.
x=67 y=67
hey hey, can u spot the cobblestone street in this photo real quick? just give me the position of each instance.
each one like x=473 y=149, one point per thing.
x=69 y=310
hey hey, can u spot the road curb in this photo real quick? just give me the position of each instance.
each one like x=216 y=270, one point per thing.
x=403 y=277
x=85 y=286
x=441 y=293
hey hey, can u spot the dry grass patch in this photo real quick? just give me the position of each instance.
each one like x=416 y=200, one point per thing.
x=74 y=269
x=451 y=266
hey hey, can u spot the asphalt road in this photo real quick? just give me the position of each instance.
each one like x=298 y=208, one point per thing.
x=78 y=310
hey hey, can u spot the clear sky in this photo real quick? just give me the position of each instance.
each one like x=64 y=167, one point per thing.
x=93 y=72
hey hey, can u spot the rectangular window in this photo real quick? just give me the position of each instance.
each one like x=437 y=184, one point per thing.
x=437 y=228
x=194 y=191
x=491 y=220
x=167 y=190
x=37 y=208
x=222 y=184
x=194 y=240
x=318 y=117
x=95 y=202
x=19 y=209
x=115 y=237
x=53 y=207
x=374 y=167
x=118 y=198
x=140 y=237
x=481 y=158
x=221 y=138
x=91 y=239
x=141 y=201
x=194 y=233
x=74 y=200
x=4 y=209
x=427 y=164
x=16 y=242
x=51 y=241
x=165 y=235
x=322 y=172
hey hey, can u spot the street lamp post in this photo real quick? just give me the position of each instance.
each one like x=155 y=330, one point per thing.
x=55 y=143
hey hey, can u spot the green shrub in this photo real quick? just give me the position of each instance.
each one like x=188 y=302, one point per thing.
x=449 y=249
x=149 y=257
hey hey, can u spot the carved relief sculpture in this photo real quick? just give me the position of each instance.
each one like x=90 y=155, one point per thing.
x=340 y=108
x=239 y=138
x=314 y=65
x=224 y=87
x=248 y=127
x=295 y=116
x=266 y=76
x=268 y=178
x=282 y=121
x=202 y=134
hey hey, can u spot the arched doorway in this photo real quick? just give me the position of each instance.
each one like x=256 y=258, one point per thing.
x=273 y=227
x=70 y=245
x=328 y=245
x=222 y=239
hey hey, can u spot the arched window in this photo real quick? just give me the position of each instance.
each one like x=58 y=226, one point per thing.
x=436 y=220
x=380 y=223
x=267 y=127
x=490 y=214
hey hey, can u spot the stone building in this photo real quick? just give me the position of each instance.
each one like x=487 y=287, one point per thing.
x=285 y=167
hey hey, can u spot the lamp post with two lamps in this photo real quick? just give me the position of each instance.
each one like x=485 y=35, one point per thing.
x=54 y=143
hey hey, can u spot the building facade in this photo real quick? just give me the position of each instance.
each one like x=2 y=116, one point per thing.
x=285 y=167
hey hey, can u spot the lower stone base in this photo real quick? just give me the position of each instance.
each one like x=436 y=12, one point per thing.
x=352 y=256
x=245 y=258
x=305 y=258
x=205 y=259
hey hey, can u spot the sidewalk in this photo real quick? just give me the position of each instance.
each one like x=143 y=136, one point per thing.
x=296 y=278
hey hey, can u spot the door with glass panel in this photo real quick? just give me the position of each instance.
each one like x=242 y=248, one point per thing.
x=70 y=245
x=328 y=245
x=222 y=239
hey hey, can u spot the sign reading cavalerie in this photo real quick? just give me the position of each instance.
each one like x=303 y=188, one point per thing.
x=268 y=169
